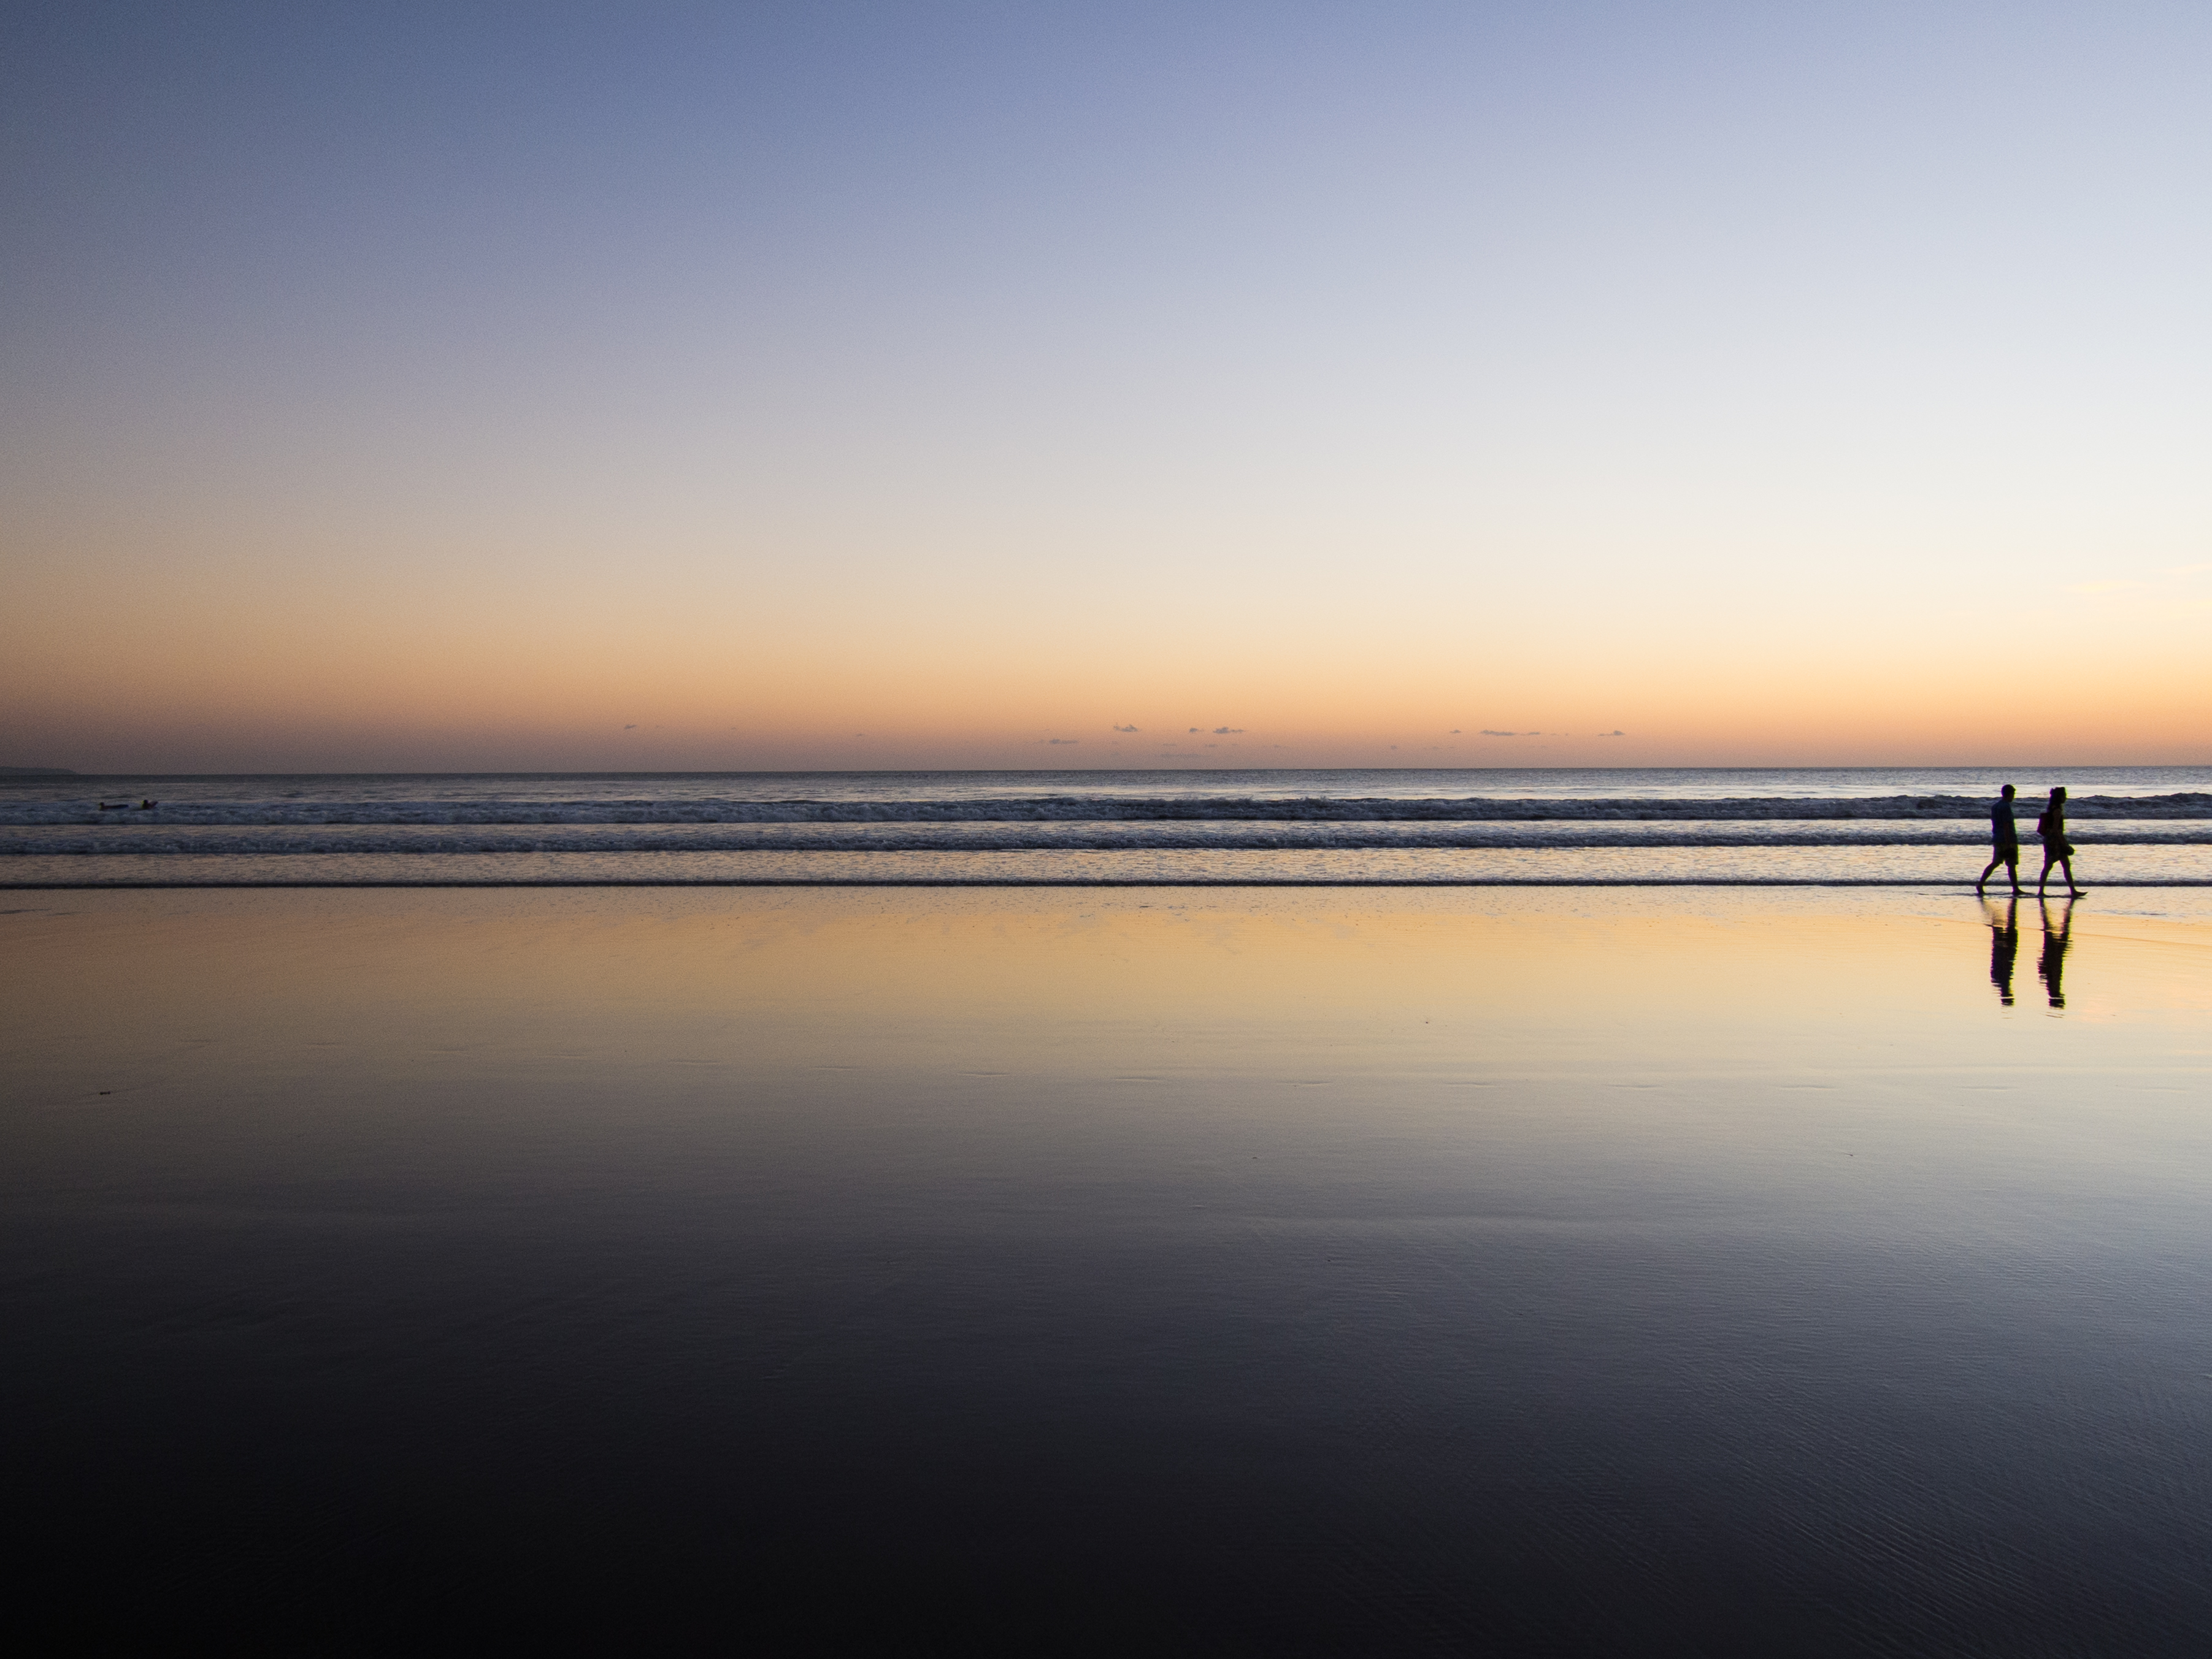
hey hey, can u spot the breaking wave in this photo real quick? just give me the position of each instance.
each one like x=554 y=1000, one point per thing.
x=1000 y=836
x=1081 y=809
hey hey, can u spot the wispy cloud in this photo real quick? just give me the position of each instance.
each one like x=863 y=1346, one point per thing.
x=1125 y=728
x=1060 y=740
x=1228 y=731
x=632 y=726
x=1616 y=733
x=1487 y=733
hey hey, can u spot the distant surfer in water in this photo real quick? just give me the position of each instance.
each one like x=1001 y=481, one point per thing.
x=2004 y=842
x=2057 y=849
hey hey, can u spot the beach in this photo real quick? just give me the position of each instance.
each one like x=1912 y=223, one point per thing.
x=1237 y=830
x=1242 y=1269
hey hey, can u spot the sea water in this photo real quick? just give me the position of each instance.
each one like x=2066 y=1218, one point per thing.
x=2136 y=826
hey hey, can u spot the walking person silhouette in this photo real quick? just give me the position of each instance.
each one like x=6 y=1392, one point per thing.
x=2004 y=946
x=2057 y=849
x=2052 y=967
x=2004 y=842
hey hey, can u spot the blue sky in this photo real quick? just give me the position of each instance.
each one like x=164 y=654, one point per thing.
x=489 y=385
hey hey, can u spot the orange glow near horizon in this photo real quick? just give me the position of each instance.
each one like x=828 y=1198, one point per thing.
x=242 y=682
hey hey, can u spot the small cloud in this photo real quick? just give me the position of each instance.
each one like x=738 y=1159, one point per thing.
x=1057 y=740
x=1455 y=730
x=1228 y=732
x=1125 y=728
x=859 y=734
x=1193 y=731
x=632 y=726
x=1487 y=733
x=1616 y=733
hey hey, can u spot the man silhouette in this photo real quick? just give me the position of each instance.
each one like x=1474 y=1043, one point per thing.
x=2004 y=842
x=2004 y=946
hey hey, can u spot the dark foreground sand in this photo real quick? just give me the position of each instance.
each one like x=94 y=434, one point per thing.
x=1267 y=1272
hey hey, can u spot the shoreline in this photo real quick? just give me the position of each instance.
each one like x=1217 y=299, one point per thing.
x=1071 y=882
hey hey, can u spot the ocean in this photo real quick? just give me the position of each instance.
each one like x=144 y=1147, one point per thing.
x=2134 y=827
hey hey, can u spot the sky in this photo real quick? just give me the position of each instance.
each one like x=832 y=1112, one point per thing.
x=452 y=387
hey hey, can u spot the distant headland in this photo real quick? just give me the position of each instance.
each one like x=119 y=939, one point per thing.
x=36 y=772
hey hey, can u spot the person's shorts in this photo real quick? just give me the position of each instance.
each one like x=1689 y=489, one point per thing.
x=2006 y=854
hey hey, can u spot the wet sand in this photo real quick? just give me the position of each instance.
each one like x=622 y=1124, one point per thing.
x=1251 y=1271
x=2166 y=862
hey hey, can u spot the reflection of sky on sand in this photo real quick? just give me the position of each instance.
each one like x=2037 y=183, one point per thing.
x=1412 y=975
x=1283 y=995
x=2151 y=866
x=1739 y=1248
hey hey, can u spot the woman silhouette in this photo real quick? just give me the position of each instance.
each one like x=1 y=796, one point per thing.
x=2052 y=968
x=2051 y=826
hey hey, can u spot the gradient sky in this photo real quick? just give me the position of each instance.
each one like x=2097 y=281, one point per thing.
x=454 y=386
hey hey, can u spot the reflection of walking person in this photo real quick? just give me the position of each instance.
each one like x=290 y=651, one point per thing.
x=2004 y=844
x=2004 y=946
x=2052 y=967
x=2057 y=849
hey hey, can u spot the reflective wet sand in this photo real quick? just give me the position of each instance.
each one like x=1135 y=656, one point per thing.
x=2159 y=864
x=1266 y=1271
